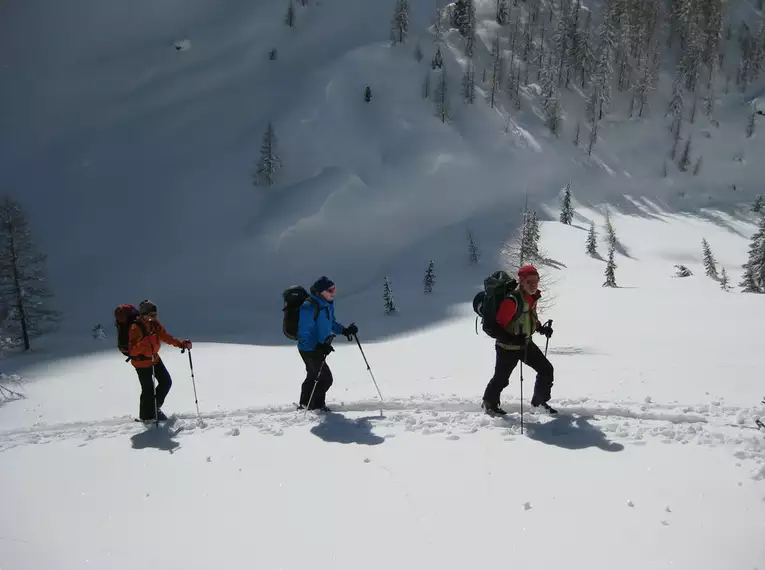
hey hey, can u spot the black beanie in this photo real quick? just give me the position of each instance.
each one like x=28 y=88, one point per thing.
x=321 y=285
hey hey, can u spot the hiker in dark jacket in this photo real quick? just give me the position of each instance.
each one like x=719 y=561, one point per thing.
x=317 y=328
x=515 y=344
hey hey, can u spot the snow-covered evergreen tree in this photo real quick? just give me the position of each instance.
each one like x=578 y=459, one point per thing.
x=685 y=160
x=503 y=12
x=438 y=60
x=270 y=162
x=610 y=237
x=675 y=109
x=438 y=28
x=567 y=211
x=442 y=99
x=603 y=67
x=368 y=94
x=759 y=204
x=724 y=280
x=682 y=271
x=710 y=263
x=399 y=29
x=430 y=278
x=592 y=243
x=289 y=17
x=390 y=304
x=610 y=269
x=23 y=285
x=98 y=332
x=550 y=102
x=754 y=269
x=475 y=254
x=593 y=138
x=470 y=30
x=577 y=134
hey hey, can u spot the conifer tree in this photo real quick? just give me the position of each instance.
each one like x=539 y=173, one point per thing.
x=577 y=134
x=368 y=94
x=751 y=123
x=754 y=269
x=475 y=254
x=270 y=162
x=592 y=244
x=593 y=138
x=23 y=285
x=289 y=17
x=759 y=204
x=567 y=211
x=496 y=70
x=503 y=12
x=399 y=29
x=390 y=304
x=685 y=160
x=710 y=264
x=430 y=278
x=724 y=280
x=610 y=269
x=611 y=239
x=418 y=55
x=468 y=84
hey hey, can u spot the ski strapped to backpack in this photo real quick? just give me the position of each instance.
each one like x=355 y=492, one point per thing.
x=496 y=288
x=294 y=297
x=124 y=317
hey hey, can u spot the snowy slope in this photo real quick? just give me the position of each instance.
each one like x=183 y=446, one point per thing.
x=109 y=126
x=654 y=461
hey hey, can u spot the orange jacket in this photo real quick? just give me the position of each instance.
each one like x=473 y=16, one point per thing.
x=144 y=349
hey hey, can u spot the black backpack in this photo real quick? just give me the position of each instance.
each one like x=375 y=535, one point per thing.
x=496 y=288
x=294 y=297
x=124 y=317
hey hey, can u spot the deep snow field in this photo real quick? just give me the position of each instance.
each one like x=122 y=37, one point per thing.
x=653 y=462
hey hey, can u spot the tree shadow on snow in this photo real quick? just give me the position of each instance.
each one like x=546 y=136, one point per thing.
x=571 y=433
x=156 y=437
x=336 y=428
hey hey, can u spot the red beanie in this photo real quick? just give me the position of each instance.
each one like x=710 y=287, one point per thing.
x=527 y=270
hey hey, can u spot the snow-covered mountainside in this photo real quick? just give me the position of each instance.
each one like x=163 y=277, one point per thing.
x=135 y=159
x=131 y=134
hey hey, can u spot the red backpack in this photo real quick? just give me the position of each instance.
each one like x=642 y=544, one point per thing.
x=124 y=316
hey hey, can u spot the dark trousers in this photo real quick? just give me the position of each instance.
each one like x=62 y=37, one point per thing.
x=164 y=382
x=314 y=370
x=506 y=363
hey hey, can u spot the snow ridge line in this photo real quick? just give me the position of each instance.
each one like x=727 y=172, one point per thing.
x=460 y=410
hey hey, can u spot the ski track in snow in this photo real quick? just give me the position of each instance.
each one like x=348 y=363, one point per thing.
x=607 y=424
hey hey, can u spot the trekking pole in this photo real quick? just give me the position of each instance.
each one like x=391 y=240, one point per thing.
x=193 y=382
x=521 y=363
x=370 y=370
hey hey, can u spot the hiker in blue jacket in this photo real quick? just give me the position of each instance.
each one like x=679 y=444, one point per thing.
x=317 y=328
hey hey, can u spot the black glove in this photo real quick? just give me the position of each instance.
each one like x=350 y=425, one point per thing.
x=351 y=330
x=546 y=330
x=324 y=348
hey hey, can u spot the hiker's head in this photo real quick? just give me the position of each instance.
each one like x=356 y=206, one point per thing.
x=528 y=277
x=147 y=309
x=324 y=288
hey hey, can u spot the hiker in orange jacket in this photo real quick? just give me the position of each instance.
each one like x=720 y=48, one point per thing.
x=146 y=334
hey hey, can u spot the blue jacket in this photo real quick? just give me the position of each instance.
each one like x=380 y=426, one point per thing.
x=310 y=332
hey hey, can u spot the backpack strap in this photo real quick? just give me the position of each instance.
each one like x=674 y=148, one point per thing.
x=316 y=308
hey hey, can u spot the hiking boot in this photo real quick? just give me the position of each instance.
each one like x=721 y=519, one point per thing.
x=543 y=407
x=493 y=409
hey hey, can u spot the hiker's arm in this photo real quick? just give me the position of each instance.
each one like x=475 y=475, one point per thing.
x=138 y=344
x=168 y=338
x=506 y=312
x=306 y=324
x=337 y=328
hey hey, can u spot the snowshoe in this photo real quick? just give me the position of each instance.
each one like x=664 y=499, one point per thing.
x=493 y=410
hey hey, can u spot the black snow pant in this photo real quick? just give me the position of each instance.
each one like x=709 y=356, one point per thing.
x=316 y=375
x=506 y=363
x=164 y=382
